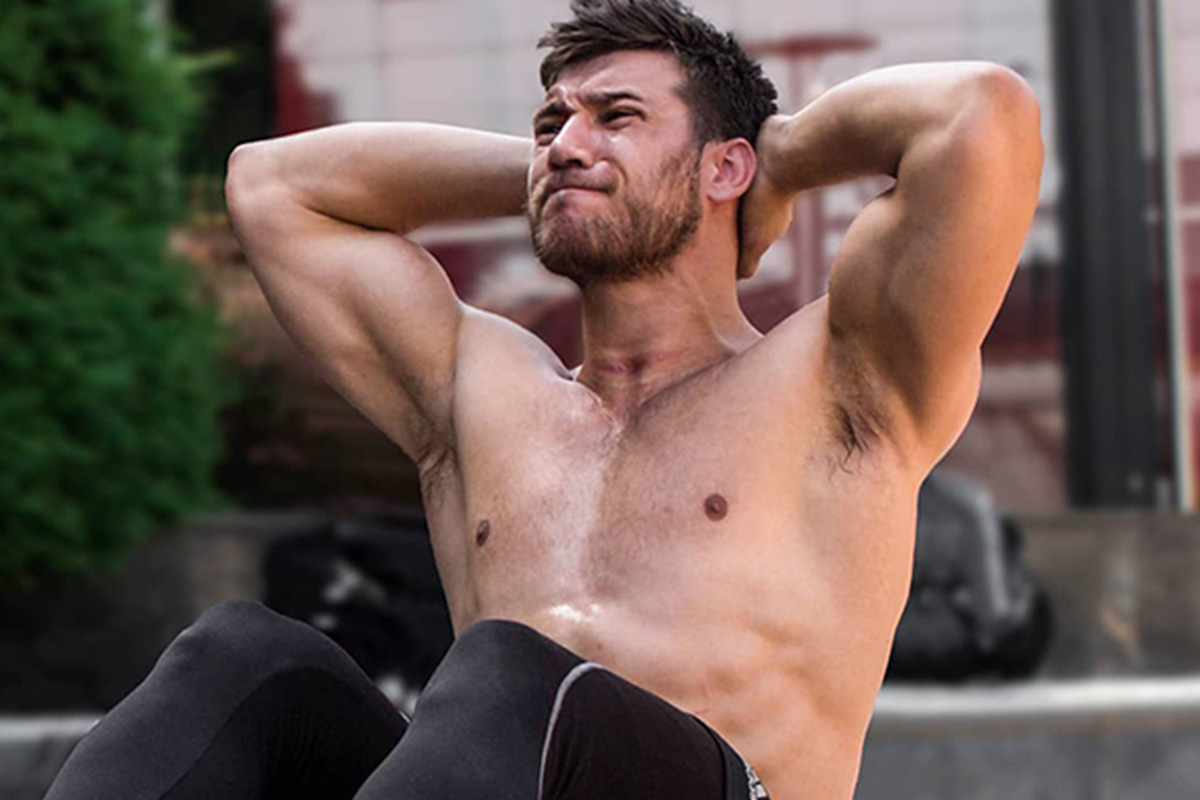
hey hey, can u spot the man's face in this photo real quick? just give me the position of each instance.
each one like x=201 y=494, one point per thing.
x=614 y=185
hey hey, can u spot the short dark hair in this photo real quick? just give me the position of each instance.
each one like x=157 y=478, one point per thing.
x=726 y=90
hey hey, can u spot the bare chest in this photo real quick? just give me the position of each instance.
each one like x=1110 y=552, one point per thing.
x=554 y=502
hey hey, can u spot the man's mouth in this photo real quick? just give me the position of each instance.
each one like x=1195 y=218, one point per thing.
x=573 y=189
x=558 y=184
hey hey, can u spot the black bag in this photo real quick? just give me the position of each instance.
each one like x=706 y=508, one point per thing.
x=370 y=583
x=975 y=609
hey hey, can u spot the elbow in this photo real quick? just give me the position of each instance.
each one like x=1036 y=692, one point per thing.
x=1003 y=116
x=1005 y=98
x=245 y=172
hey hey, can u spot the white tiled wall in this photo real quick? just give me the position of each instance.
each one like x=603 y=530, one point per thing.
x=885 y=15
x=759 y=20
x=454 y=26
x=1185 y=46
x=460 y=88
x=352 y=83
x=518 y=71
x=318 y=29
x=919 y=43
x=474 y=62
x=991 y=12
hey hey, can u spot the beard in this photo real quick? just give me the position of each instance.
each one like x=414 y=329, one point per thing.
x=633 y=240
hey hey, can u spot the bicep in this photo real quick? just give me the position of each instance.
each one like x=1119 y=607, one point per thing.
x=375 y=312
x=923 y=270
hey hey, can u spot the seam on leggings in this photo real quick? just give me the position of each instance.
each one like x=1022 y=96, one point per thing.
x=754 y=786
x=289 y=673
x=212 y=740
x=578 y=671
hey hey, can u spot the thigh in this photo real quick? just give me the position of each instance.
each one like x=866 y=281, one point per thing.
x=610 y=738
x=512 y=715
x=244 y=705
x=480 y=725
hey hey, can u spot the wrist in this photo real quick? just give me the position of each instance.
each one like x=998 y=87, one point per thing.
x=776 y=155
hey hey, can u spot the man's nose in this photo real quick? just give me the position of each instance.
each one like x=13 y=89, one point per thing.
x=573 y=145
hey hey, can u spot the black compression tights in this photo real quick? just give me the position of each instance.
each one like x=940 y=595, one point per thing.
x=245 y=704
x=249 y=705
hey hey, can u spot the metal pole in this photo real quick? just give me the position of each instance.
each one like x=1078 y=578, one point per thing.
x=1177 y=331
x=1107 y=299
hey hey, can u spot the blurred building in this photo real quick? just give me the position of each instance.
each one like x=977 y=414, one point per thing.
x=474 y=63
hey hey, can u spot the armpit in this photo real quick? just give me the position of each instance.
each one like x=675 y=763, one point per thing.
x=436 y=469
x=860 y=422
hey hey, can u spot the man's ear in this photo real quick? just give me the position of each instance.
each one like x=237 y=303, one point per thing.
x=732 y=170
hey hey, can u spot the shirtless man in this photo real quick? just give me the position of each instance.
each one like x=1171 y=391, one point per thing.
x=718 y=518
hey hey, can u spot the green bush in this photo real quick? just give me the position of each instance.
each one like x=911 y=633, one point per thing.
x=111 y=378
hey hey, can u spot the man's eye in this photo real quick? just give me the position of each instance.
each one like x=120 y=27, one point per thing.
x=551 y=128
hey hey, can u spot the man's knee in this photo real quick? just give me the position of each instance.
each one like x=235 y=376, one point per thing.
x=503 y=666
x=505 y=634
x=243 y=639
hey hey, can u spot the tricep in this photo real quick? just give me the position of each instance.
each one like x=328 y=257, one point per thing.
x=375 y=311
x=923 y=270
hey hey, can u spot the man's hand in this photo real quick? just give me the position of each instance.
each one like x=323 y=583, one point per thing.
x=767 y=209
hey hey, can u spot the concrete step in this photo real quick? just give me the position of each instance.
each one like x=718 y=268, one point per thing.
x=33 y=749
x=1118 y=739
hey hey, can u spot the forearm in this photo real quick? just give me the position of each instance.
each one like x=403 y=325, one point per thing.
x=863 y=127
x=395 y=176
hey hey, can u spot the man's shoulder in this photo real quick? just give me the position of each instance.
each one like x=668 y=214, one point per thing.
x=493 y=342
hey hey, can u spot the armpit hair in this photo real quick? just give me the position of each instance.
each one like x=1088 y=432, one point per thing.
x=853 y=435
x=859 y=423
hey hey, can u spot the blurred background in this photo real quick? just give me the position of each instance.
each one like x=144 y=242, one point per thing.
x=166 y=447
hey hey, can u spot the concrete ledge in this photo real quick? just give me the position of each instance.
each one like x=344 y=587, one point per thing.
x=1040 y=703
x=26 y=729
x=1064 y=740
x=32 y=751
x=1132 y=739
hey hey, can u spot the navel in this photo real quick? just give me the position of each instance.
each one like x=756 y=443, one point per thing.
x=483 y=532
x=716 y=507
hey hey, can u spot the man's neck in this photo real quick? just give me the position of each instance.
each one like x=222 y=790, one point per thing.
x=642 y=337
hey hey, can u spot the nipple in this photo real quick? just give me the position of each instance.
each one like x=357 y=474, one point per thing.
x=482 y=533
x=716 y=507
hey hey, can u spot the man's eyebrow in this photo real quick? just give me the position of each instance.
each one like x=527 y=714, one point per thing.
x=557 y=108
